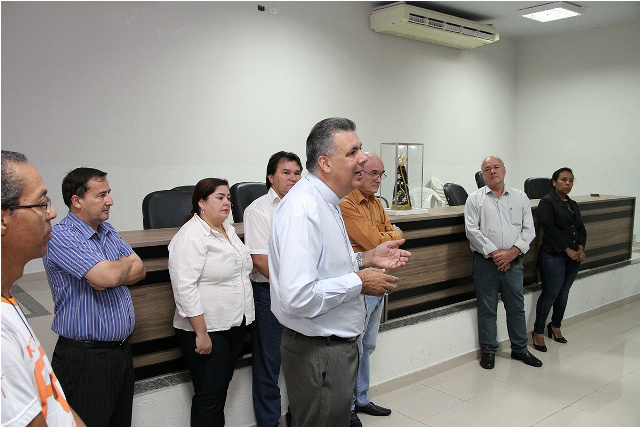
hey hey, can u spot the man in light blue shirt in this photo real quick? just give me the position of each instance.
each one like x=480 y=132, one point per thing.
x=318 y=283
x=499 y=226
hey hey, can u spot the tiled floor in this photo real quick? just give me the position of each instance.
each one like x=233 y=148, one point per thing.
x=593 y=380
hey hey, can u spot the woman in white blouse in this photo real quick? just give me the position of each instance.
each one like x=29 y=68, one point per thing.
x=209 y=268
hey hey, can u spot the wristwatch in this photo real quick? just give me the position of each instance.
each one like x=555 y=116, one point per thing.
x=359 y=261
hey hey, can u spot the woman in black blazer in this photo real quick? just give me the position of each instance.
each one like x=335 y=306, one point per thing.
x=559 y=256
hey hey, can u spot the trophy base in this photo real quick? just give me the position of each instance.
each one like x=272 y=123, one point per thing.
x=402 y=207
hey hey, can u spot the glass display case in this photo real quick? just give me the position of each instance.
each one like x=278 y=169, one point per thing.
x=403 y=190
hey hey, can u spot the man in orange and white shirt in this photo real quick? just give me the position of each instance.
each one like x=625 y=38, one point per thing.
x=31 y=394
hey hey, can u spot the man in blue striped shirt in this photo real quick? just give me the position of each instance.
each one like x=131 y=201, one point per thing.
x=89 y=266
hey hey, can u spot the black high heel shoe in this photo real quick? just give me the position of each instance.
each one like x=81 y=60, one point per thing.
x=542 y=348
x=552 y=335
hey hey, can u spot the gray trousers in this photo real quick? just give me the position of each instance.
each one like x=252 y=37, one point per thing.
x=320 y=375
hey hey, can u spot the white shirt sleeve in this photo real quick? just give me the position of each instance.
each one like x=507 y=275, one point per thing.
x=528 y=232
x=187 y=256
x=256 y=231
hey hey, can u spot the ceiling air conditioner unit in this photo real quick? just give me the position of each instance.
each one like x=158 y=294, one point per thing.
x=400 y=19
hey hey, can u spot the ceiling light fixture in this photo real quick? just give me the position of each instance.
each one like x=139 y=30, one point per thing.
x=552 y=11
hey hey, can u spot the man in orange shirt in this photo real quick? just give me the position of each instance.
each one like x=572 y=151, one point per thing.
x=367 y=225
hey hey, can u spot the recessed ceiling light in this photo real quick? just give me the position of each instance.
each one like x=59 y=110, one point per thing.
x=552 y=11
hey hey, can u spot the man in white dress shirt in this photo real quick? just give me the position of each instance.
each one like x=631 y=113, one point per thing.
x=318 y=283
x=283 y=171
x=499 y=226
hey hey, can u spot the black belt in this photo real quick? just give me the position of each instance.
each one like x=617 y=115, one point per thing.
x=92 y=344
x=262 y=284
x=330 y=338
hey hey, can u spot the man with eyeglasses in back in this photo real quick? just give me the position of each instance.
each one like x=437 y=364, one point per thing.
x=367 y=225
x=31 y=393
x=89 y=268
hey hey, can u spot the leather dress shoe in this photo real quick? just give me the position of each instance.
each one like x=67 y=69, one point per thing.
x=355 y=421
x=527 y=358
x=488 y=360
x=373 y=409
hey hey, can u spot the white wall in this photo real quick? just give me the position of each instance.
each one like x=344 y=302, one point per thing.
x=164 y=94
x=578 y=105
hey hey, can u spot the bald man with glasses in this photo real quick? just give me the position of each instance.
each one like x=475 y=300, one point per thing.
x=367 y=225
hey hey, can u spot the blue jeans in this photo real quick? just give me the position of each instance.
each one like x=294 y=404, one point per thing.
x=557 y=273
x=366 y=346
x=489 y=281
x=266 y=333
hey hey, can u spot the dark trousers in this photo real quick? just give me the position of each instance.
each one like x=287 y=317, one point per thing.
x=211 y=373
x=489 y=282
x=558 y=273
x=320 y=377
x=98 y=383
x=265 y=332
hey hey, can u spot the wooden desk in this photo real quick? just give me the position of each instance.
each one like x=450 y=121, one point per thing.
x=438 y=274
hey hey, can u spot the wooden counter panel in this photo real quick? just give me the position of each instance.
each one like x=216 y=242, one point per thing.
x=608 y=233
x=157 y=357
x=154 y=306
x=437 y=263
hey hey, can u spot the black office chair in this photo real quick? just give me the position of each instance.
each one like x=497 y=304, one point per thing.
x=456 y=194
x=480 y=179
x=185 y=188
x=242 y=194
x=537 y=188
x=165 y=208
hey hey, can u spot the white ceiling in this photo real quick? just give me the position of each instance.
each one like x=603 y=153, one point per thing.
x=505 y=16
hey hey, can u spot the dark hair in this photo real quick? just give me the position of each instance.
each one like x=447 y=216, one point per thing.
x=320 y=140
x=557 y=173
x=76 y=183
x=204 y=188
x=12 y=184
x=272 y=166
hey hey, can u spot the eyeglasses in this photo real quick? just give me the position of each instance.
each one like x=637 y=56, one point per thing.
x=46 y=205
x=373 y=175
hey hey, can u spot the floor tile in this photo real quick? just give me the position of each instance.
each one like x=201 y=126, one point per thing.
x=461 y=383
x=612 y=405
x=462 y=415
x=554 y=385
x=417 y=401
x=572 y=417
x=508 y=400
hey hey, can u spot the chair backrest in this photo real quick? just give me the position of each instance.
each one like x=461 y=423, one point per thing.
x=537 y=188
x=165 y=208
x=436 y=185
x=242 y=194
x=456 y=194
x=480 y=179
x=430 y=199
x=189 y=188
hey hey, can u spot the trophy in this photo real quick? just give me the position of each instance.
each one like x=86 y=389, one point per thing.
x=401 y=199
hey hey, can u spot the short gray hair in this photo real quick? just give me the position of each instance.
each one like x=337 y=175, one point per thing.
x=12 y=184
x=320 y=140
